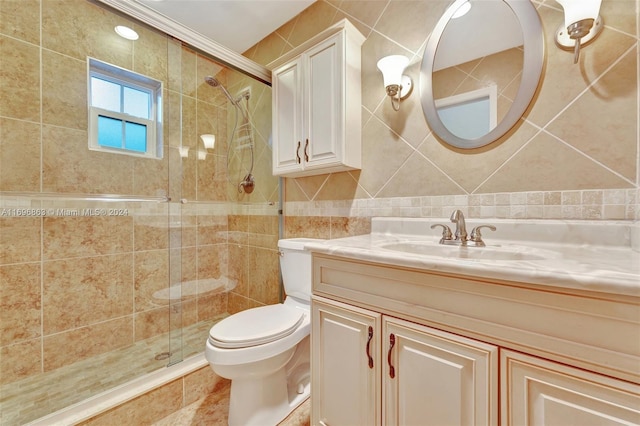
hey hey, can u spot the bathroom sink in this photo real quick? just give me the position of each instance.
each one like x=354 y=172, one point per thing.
x=429 y=248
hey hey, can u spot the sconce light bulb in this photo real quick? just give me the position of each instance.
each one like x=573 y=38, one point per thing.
x=209 y=141
x=392 y=68
x=397 y=85
x=582 y=23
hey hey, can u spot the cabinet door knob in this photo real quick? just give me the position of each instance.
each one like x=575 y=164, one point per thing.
x=298 y=153
x=368 y=347
x=392 y=342
x=306 y=151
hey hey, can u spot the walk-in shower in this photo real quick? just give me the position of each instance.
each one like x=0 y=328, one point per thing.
x=115 y=266
x=241 y=135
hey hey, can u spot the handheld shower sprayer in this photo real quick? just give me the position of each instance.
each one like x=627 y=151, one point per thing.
x=247 y=184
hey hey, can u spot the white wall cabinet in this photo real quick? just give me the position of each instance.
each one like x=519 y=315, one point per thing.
x=468 y=351
x=317 y=105
x=372 y=369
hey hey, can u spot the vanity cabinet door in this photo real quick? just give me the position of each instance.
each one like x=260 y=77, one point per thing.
x=540 y=392
x=431 y=377
x=345 y=367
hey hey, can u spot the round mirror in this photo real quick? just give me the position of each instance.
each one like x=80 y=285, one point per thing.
x=480 y=69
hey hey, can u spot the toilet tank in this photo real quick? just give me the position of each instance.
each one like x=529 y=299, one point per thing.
x=295 y=265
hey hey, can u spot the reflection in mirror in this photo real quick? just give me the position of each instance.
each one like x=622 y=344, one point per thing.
x=470 y=115
x=474 y=82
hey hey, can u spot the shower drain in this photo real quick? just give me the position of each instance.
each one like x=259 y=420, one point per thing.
x=163 y=355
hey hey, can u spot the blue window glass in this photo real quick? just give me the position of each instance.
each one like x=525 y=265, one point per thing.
x=124 y=111
x=136 y=102
x=468 y=120
x=109 y=132
x=135 y=137
x=105 y=95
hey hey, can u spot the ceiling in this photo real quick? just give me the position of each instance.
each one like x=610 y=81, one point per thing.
x=234 y=24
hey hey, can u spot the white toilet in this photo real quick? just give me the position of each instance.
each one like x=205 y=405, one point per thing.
x=264 y=351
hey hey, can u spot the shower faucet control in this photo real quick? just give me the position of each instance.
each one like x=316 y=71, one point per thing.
x=247 y=185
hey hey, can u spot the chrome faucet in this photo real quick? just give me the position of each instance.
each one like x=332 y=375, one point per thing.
x=462 y=238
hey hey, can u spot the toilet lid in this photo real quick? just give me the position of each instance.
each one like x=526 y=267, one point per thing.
x=256 y=326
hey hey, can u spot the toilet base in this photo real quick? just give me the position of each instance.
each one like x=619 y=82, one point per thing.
x=267 y=404
x=268 y=401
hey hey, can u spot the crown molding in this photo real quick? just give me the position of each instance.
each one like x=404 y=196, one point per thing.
x=167 y=25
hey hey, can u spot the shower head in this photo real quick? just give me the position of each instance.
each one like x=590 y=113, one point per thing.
x=212 y=81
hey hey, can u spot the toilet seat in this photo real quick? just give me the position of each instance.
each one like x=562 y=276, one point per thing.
x=256 y=326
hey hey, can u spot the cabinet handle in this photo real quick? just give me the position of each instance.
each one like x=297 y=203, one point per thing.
x=298 y=153
x=306 y=151
x=392 y=342
x=368 y=346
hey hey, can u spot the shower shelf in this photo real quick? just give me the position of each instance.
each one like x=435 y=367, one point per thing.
x=83 y=197
x=243 y=146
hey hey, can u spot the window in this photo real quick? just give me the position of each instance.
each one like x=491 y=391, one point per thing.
x=125 y=111
x=470 y=115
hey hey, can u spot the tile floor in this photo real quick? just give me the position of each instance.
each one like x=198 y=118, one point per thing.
x=213 y=409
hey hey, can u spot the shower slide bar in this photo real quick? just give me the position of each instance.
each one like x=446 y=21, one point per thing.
x=83 y=197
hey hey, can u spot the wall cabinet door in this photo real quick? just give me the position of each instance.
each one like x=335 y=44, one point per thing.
x=540 y=392
x=325 y=79
x=345 y=367
x=436 y=378
x=288 y=121
x=317 y=106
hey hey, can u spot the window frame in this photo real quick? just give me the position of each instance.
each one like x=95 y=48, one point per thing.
x=130 y=79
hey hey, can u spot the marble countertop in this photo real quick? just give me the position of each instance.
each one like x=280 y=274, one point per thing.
x=581 y=255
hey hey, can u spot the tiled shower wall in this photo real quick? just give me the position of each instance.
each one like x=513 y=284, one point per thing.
x=573 y=156
x=71 y=285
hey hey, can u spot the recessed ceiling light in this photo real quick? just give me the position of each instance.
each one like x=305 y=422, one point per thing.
x=126 y=32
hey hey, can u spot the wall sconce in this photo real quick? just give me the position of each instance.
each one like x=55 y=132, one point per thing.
x=202 y=155
x=582 y=23
x=209 y=141
x=184 y=151
x=398 y=86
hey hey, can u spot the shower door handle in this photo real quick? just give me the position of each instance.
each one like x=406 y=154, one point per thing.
x=298 y=153
x=306 y=151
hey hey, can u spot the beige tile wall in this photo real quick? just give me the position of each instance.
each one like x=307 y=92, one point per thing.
x=574 y=156
x=74 y=286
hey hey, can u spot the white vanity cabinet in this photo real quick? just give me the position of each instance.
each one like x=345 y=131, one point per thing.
x=317 y=104
x=372 y=369
x=539 y=392
x=346 y=367
x=467 y=350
